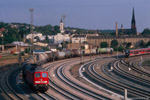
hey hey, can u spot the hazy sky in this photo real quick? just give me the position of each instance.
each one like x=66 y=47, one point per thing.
x=89 y=14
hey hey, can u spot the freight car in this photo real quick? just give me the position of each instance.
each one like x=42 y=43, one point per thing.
x=76 y=52
x=135 y=52
x=105 y=50
x=36 y=77
x=68 y=53
x=59 y=55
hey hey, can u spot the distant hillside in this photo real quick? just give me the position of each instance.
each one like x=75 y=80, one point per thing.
x=16 y=31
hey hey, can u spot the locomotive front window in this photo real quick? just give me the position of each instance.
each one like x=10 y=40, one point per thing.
x=44 y=74
x=37 y=75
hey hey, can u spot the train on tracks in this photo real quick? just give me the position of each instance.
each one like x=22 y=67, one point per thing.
x=135 y=52
x=37 y=77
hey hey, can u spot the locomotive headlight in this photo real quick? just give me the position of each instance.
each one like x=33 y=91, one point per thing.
x=44 y=81
x=40 y=81
x=37 y=82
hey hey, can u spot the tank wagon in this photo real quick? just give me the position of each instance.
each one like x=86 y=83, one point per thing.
x=76 y=52
x=59 y=55
x=36 y=76
x=105 y=50
x=68 y=53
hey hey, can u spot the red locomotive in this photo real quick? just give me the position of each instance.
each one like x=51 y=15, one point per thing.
x=36 y=77
x=135 y=52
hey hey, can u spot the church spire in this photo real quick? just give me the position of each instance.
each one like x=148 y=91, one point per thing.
x=61 y=26
x=133 y=23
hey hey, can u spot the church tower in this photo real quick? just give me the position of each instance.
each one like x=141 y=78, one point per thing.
x=133 y=23
x=61 y=26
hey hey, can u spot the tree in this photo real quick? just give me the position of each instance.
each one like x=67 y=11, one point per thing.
x=56 y=29
x=46 y=39
x=114 y=43
x=104 y=45
x=1 y=40
x=142 y=44
x=120 y=48
x=146 y=31
x=148 y=44
x=128 y=45
x=27 y=50
x=82 y=47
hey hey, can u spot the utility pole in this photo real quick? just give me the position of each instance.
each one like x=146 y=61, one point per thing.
x=31 y=29
x=116 y=29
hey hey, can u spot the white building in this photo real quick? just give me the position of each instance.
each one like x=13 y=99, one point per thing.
x=39 y=35
x=78 y=38
x=20 y=43
x=62 y=26
x=59 y=38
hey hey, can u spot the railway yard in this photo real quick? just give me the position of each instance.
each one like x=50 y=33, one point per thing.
x=102 y=77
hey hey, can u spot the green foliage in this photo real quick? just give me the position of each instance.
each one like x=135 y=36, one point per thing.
x=1 y=40
x=128 y=45
x=56 y=29
x=27 y=50
x=142 y=44
x=12 y=32
x=22 y=53
x=146 y=31
x=46 y=30
x=114 y=43
x=148 y=44
x=120 y=48
x=82 y=47
x=17 y=31
x=46 y=39
x=45 y=48
x=104 y=45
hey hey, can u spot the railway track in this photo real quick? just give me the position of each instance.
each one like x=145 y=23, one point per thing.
x=120 y=84
x=6 y=86
x=67 y=87
x=62 y=85
x=136 y=66
x=74 y=90
x=125 y=81
x=11 y=90
x=99 y=80
x=77 y=86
